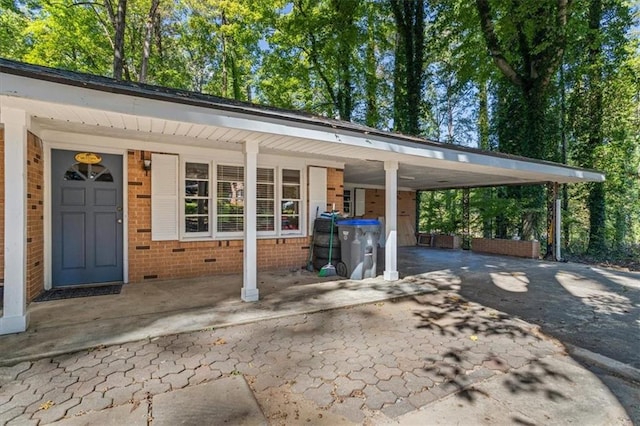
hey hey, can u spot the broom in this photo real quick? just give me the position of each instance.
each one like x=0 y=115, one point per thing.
x=329 y=270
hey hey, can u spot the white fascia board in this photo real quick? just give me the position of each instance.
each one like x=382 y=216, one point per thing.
x=404 y=151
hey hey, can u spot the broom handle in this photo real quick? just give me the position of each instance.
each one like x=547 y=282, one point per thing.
x=331 y=238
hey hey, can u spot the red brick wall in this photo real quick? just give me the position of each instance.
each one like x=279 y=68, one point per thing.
x=35 y=212
x=374 y=207
x=335 y=189
x=35 y=217
x=517 y=248
x=177 y=259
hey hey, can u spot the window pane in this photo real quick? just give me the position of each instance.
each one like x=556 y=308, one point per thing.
x=291 y=192
x=266 y=175
x=198 y=188
x=74 y=174
x=197 y=171
x=227 y=208
x=290 y=222
x=265 y=207
x=290 y=176
x=265 y=223
x=234 y=173
x=230 y=223
x=290 y=207
x=232 y=191
x=196 y=224
x=193 y=206
x=265 y=191
x=105 y=177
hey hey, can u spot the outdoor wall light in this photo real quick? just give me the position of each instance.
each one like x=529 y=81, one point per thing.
x=146 y=161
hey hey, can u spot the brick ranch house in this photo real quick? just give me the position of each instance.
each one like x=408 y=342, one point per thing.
x=111 y=181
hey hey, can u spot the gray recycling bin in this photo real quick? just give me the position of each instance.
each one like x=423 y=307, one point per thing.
x=359 y=247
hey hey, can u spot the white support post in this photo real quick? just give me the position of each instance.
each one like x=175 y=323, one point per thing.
x=15 y=317
x=250 y=276
x=391 y=221
x=558 y=231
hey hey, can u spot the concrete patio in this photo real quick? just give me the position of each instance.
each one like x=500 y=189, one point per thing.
x=604 y=304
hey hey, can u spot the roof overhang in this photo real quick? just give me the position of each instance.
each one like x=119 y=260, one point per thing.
x=60 y=101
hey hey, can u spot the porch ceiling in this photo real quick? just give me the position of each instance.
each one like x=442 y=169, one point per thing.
x=58 y=107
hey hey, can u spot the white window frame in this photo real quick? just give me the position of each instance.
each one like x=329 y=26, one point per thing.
x=301 y=202
x=275 y=231
x=213 y=233
x=222 y=235
x=212 y=200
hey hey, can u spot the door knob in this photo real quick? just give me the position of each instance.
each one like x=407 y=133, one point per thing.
x=119 y=220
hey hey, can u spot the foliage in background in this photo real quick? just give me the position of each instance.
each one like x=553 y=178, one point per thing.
x=550 y=79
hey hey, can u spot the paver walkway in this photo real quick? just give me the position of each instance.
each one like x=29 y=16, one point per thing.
x=369 y=363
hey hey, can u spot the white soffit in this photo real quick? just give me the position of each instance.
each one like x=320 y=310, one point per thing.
x=426 y=166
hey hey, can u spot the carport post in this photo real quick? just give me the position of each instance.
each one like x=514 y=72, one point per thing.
x=15 y=316
x=250 y=253
x=558 y=233
x=391 y=221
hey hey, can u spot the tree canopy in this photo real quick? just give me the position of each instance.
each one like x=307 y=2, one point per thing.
x=551 y=79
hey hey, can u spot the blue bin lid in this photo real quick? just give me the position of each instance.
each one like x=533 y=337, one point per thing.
x=359 y=222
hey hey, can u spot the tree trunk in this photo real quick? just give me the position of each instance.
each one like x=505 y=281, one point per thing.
x=146 y=43
x=596 y=203
x=118 y=51
x=372 y=116
x=409 y=64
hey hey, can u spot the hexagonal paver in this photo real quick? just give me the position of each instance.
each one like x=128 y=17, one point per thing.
x=395 y=384
x=82 y=388
x=321 y=395
x=38 y=367
x=55 y=412
x=179 y=380
x=367 y=375
x=385 y=373
x=327 y=372
x=346 y=387
x=375 y=398
x=115 y=380
x=399 y=408
x=203 y=374
x=167 y=367
x=94 y=401
x=123 y=395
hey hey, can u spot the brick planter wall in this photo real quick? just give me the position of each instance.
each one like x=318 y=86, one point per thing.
x=517 y=248
x=447 y=241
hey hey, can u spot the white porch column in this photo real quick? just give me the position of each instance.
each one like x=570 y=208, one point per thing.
x=250 y=252
x=391 y=221
x=558 y=231
x=15 y=317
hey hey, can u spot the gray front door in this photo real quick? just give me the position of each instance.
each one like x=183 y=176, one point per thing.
x=86 y=219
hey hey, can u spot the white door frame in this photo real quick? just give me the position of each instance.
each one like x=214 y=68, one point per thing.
x=47 y=147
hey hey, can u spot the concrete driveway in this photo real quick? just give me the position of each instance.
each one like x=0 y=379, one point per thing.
x=594 y=308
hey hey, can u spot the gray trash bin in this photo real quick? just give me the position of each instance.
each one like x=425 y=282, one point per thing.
x=359 y=247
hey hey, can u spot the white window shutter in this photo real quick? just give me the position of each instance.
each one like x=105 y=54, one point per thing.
x=164 y=197
x=317 y=193
x=360 y=204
